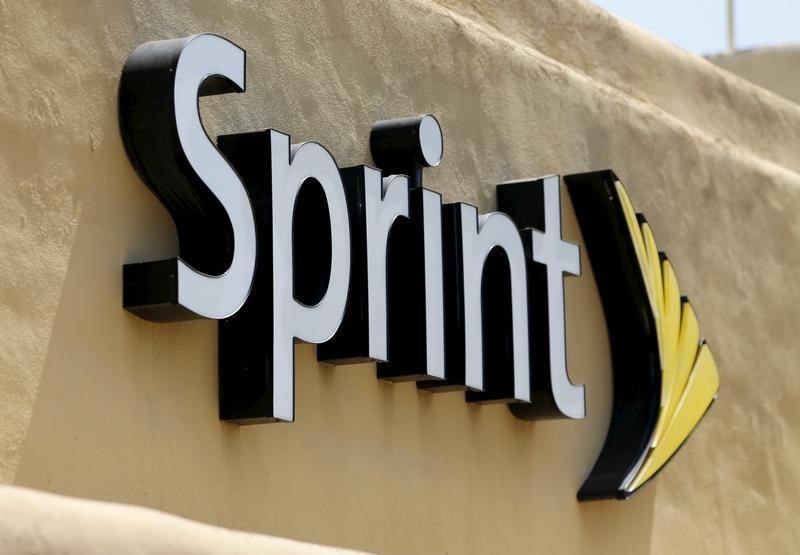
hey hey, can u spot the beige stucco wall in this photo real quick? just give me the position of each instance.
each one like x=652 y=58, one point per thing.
x=97 y=403
x=776 y=68
x=36 y=522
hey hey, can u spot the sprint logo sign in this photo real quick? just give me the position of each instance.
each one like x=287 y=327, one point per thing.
x=665 y=377
x=279 y=244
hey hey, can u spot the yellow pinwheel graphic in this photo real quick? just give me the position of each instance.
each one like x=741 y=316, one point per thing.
x=673 y=371
x=690 y=380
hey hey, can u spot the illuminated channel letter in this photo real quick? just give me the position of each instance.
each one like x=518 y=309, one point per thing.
x=665 y=378
x=495 y=230
x=383 y=205
x=431 y=209
x=293 y=319
x=415 y=283
x=559 y=257
x=469 y=241
x=299 y=200
x=166 y=143
x=536 y=206
x=374 y=204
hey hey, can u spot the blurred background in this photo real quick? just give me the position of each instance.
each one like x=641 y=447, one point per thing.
x=758 y=40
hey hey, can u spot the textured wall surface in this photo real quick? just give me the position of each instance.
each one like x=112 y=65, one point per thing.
x=776 y=68
x=43 y=523
x=97 y=403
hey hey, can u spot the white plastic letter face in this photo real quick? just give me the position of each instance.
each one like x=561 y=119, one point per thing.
x=434 y=285
x=559 y=257
x=384 y=202
x=480 y=236
x=213 y=296
x=293 y=319
x=166 y=143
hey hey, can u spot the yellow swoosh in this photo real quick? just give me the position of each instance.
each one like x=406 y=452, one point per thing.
x=689 y=375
